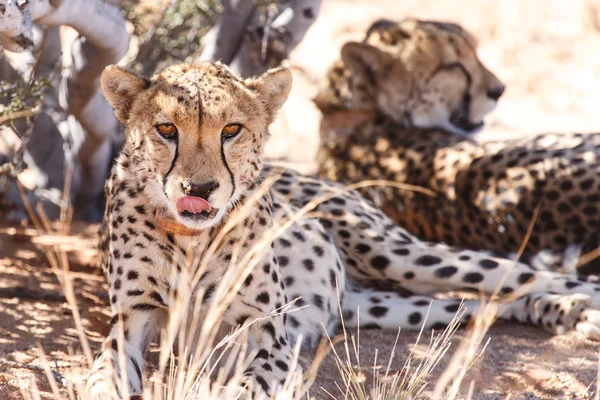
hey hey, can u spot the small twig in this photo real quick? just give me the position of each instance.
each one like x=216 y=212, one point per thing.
x=21 y=114
x=271 y=10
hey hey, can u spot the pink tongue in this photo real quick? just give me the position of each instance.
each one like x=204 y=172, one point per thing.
x=194 y=205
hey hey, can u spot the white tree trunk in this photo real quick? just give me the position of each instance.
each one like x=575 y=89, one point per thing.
x=268 y=37
x=103 y=40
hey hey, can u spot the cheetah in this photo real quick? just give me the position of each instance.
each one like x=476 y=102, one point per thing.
x=401 y=105
x=192 y=158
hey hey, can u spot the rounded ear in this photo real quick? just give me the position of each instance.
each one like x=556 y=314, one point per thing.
x=275 y=86
x=363 y=58
x=120 y=87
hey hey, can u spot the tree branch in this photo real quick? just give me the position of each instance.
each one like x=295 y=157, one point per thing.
x=103 y=40
x=252 y=41
x=226 y=35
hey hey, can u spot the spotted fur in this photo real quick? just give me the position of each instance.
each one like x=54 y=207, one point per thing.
x=485 y=194
x=347 y=244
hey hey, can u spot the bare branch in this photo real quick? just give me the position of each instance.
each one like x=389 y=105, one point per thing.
x=226 y=35
x=269 y=40
x=103 y=40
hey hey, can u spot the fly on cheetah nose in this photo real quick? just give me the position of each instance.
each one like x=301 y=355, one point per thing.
x=196 y=200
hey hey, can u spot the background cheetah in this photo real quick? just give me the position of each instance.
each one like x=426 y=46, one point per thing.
x=193 y=159
x=400 y=106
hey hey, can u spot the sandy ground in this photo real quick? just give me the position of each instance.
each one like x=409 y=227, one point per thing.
x=548 y=54
x=521 y=361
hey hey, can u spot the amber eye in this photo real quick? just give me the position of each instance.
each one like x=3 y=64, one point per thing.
x=168 y=131
x=231 y=130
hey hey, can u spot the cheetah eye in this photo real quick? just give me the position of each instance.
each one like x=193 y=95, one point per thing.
x=168 y=130
x=231 y=130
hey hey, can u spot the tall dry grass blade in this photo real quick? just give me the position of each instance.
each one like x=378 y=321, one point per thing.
x=48 y=371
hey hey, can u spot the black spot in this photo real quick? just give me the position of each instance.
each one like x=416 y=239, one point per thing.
x=248 y=280
x=427 y=260
x=318 y=251
x=263 y=384
x=525 y=277
x=488 y=264
x=289 y=281
x=401 y=252
x=380 y=262
x=210 y=289
x=452 y=307
x=283 y=261
x=285 y=242
x=262 y=354
x=473 y=277
x=267 y=268
x=362 y=248
x=132 y=275
x=270 y=329
x=409 y=275
x=446 y=272
x=439 y=326
x=308 y=264
x=298 y=236
x=415 y=318
x=281 y=365
x=571 y=285
x=318 y=300
x=263 y=298
x=158 y=298
x=378 y=311
x=506 y=290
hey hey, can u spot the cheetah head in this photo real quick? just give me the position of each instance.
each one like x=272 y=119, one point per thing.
x=196 y=133
x=422 y=73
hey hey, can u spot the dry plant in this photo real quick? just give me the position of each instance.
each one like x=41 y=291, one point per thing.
x=199 y=359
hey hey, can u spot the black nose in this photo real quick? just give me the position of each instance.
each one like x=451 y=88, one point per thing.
x=496 y=92
x=202 y=190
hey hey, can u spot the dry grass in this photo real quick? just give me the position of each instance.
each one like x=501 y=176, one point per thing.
x=208 y=365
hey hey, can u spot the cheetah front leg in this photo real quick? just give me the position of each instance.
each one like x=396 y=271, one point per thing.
x=553 y=301
x=554 y=313
x=139 y=325
x=262 y=294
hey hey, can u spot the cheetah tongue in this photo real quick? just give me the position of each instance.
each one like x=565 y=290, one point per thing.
x=193 y=205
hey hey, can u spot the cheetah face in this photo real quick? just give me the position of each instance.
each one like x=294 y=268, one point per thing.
x=424 y=74
x=197 y=133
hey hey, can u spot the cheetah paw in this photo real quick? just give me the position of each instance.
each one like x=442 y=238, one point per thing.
x=559 y=314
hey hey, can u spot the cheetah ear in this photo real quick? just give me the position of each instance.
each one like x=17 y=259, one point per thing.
x=120 y=87
x=364 y=60
x=275 y=86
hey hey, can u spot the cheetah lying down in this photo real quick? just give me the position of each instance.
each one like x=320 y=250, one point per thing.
x=401 y=106
x=193 y=156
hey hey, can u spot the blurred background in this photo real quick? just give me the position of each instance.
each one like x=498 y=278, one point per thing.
x=57 y=135
x=547 y=52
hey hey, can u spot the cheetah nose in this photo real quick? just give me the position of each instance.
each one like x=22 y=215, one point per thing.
x=496 y=92
x=202 y=190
